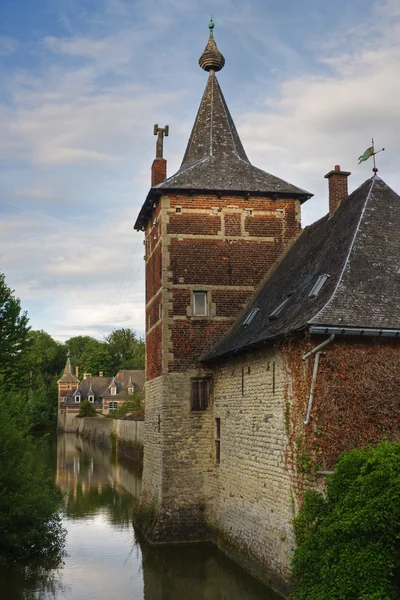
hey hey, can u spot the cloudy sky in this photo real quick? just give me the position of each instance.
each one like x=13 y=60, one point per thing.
x=82 y=83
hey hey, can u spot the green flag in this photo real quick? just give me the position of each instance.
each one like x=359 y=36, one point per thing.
x=369 y=152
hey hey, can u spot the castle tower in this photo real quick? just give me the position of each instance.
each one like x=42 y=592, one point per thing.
x=212 y=232
x=67 y=382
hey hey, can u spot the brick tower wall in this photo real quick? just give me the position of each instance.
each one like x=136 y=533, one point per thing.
x=223 y=246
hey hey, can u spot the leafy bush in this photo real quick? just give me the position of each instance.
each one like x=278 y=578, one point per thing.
x=348 y=543
x=87 y=410
x=30 y=523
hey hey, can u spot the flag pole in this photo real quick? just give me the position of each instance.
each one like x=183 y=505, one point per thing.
x=374 y=170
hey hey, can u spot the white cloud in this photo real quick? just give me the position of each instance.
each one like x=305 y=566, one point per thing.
x=77 y=140
x=319 y=121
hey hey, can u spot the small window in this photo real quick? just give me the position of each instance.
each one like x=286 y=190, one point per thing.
x=218 y=441
x=199 y=304
x=113 y=391
x=200 y=393
x=318 y=285
x=112 y=406
x=77 y=398
x=130 y=390
x=275 y=313
x=250 y=316
x=178 y=209
x=91 y=398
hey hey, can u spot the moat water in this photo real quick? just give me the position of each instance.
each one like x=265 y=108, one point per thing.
x=104 y=558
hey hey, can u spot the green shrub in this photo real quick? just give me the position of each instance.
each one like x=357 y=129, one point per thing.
x=348 y=543
x=30 y=523
x=87 y=410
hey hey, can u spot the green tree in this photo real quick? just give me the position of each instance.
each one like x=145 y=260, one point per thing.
x=127 y=349
x=348 y=543
x=95 y=358
x=45 y=357
x=13 y=335
x=76 y=347
x=30 y=524
x=44 y=361
x=87 y=409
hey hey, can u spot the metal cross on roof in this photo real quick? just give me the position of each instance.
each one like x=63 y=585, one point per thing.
x=160 y=132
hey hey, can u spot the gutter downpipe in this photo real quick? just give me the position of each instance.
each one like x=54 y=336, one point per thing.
x=317 y=352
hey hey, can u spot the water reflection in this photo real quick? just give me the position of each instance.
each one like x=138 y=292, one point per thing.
x=105 y=559
x=198 y=573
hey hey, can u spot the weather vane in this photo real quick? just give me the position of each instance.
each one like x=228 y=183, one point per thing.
x=370 y=152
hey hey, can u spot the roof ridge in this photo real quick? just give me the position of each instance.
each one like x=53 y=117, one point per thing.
x=346 y=262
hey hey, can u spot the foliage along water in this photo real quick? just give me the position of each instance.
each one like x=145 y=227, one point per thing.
x=104 y=559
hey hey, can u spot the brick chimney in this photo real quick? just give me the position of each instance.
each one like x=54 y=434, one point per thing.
x=337 y=188
x=158 y=171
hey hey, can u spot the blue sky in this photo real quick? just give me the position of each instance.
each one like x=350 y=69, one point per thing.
x=82 y=83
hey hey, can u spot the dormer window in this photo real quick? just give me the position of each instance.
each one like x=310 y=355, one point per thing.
x=318 y=285
x=113 y=391
x=77 y=398
x=130 y=390
x=91 y=398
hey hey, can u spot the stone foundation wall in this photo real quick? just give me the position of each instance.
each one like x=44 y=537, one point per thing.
x=253 y=490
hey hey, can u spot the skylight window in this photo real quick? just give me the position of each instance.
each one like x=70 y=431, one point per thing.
x=275 y=313
x=250 y=316
x=318 y=285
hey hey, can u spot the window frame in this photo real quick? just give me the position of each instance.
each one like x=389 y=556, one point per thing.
x=200 y=399
x=91 y=398
x=206 y=308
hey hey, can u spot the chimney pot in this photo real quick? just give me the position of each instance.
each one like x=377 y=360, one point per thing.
x=77 y=372
x=86 y=375
x=338 y=190
x=100 y=373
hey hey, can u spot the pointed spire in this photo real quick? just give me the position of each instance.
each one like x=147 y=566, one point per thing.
x=68 y=376
x=68 y=368
x=211 y=59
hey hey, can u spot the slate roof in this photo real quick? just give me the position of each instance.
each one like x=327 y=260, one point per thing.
x=98 y=386
x=122 y=380
x=215 y=160
x=67 y=377
x=359 y=248
x=136 y=376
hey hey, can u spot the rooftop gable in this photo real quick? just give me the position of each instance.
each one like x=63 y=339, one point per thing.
x=358 y=247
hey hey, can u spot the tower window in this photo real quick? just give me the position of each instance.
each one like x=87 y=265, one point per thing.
x=200 y=304
x=201 y=393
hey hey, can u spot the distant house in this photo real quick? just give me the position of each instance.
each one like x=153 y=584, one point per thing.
x=105 y=393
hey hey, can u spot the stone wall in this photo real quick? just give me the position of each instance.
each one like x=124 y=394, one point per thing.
x=130 y=433
x=253 y=497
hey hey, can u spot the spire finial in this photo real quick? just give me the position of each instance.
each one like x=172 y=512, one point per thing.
x=211 y=26
x=211 y=59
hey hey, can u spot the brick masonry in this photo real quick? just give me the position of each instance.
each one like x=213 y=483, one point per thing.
x=223 y=246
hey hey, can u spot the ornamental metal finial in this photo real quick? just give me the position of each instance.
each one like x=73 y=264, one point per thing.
x=211 y=59
x=211 y=26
